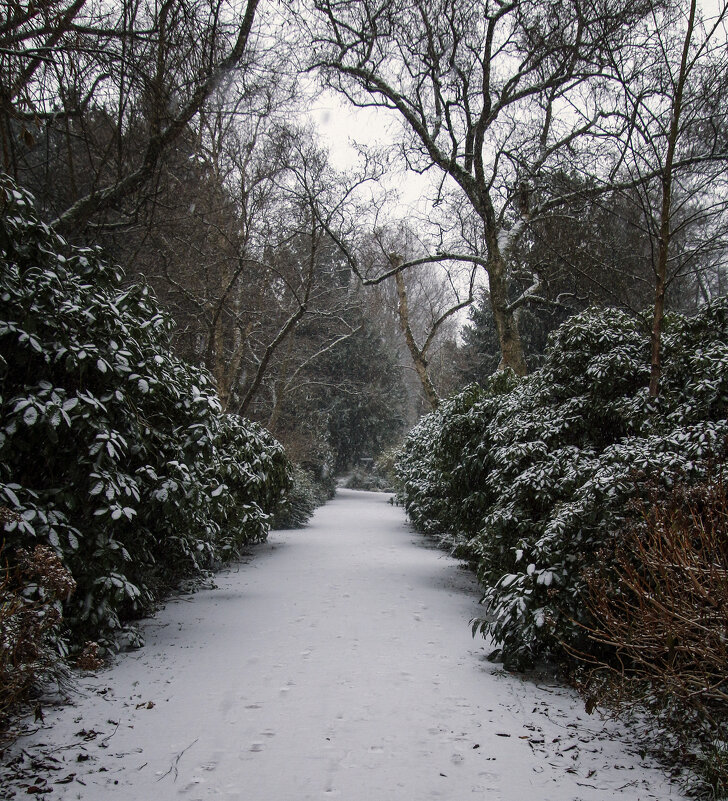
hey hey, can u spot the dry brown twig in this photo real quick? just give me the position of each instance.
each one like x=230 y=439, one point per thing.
x=31 y=592
x=666 y=617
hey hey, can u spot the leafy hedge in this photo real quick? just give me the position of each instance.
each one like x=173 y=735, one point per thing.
x=114 y=451
x=304 y=495
x=531 y=479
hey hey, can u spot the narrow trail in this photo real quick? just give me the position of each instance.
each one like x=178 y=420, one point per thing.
x=338 y=663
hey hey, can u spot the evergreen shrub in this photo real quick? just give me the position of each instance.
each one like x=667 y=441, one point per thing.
x=530 y=478
x=438 y=474
x=114 y=452
x=301 y=500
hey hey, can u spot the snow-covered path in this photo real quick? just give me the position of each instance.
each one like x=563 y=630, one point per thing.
x=338 y=663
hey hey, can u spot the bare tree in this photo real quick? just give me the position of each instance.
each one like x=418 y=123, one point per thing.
x=675 y=154
x=239 y=257
x=493 y=95
x=125 y=80
x=426 y=303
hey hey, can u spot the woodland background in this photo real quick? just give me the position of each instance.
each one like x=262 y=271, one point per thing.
x=188 y=282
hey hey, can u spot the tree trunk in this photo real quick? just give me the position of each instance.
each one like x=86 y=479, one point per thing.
x=219 y=367
x=505 y=321
x=285 y=330
x=418 y=356
x=658 y=314
x=661 y=276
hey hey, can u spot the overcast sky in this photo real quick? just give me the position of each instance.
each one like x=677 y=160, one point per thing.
x=342 y=125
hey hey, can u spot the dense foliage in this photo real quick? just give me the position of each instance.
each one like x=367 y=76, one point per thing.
x=531 y=479
x=114 y=451
x=365 y=413
x=306 y=492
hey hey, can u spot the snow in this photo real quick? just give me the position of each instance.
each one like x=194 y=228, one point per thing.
x=336 y=663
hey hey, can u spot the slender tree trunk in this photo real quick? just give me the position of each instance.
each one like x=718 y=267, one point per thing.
x=661 y=274
x=286 y=329
x=275 y=414
x=219 y=365
x=505 y=321
x=418 y=357
x=657 y=317
x=279 y=388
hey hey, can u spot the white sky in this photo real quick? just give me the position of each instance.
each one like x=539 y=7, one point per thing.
x=341 y=126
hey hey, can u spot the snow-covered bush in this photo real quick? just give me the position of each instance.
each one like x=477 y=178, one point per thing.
x=300 y=502
x=538 y=478
x=439 y=478
x=115 y=452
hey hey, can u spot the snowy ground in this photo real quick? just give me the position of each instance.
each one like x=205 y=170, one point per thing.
x=338 y=663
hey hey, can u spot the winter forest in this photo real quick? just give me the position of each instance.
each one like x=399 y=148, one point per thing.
x=499 y=293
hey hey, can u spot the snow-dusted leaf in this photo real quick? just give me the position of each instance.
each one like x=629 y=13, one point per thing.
x=11 y=496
